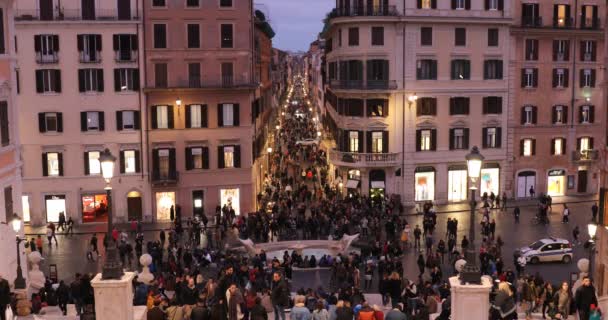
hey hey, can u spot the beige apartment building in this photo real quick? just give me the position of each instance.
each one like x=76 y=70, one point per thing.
x=10 y=162
x=412 y=86
x=558 y=93
x=208 y=97
x=79 y=74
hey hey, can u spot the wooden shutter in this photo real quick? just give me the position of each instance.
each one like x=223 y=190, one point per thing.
x=345 y=141
x=501 y=5
x=204 y=116
x=137 y=161
x=220 y=157
x=155 y=164
x=433 y=4
x=484 y=135
x=521 y=147
x=419 y=4
x=55 y=43
x=567 y=51
x=119 y=120
x=384 y=141
x=41 y=122
x=116 y=42
x=565 y=115
x=189 y=162
x=523 y=115
x=535 y=78
x=220 y=115
x=433 y=139
x=591 y=114
x=360 y=137
x=465 y=138
x=368 y=141
x=153 y=117
x=467 y=4
x=498 y=137
x=236 y=114
x=534 y=114
x=237 y=156
x=37 y=42
x=553 y=146
x=554 y=114
x=81 y=85
x=136 y=120
x=172 y=164
x=418 y=140
x=533 y=147
x=555 y=82
x=205 y=158
x=117 y=80
x=60 y=159
x=100 y=84
x=57 y=77
x=45 y=165
x=87 y=170
x=59 y=122
x=170 y=117
x=121 y=160
x=39 y=81
x=136 y=79
x=83 y=122
x=453 y=4
x=102 y=121
x=467 y=105
x=592 y=78
x=523 y=78
x=451 y=139
x=188 y=116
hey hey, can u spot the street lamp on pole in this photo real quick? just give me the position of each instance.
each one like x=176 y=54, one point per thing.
x=470 y=272
x=112 y=268
x=19 y=280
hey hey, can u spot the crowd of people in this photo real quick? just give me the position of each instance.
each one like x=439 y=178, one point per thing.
x=199 y=276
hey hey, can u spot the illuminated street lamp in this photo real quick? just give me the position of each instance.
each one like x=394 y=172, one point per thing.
x=470 y=272
x=590 y=245
x=16 y=224
x=112 y=268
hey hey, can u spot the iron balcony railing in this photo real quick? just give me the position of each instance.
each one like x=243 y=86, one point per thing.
x=73 y=15
x=529 y=21
x=585 y=155
x=51 y=57
x=364 y=85
x=204 y=83
x=90 y=57
x=125 y=55
x=364 y=11
x=165 y=178
x=365 y=159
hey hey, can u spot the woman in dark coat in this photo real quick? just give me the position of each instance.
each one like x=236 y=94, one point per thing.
x=504 y=307
x=421 y=264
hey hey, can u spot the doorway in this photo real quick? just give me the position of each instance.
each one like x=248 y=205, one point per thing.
x=134 y=206
x=457 y=185
x=46 y=10
x=582 y=181
x=124 y=9
x=526 y=180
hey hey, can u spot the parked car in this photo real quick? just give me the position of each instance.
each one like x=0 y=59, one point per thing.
x=548 y=249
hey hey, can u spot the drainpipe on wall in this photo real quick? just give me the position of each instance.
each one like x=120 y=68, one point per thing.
x=142 y=72
x=573 y=93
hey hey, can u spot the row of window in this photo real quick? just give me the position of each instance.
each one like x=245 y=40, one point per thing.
x=228 y=115
x=377 y=141
x=194 y=80
x=52 y=122
x=191 y=3
x=125 y=46
x=560 y=78
x=562 y=17
x=561 y=50
x=460 y=37
x=527 y=147
x=377 y=36
x=426 y=139
x=461 y=4
x=129 y=163
x=559 y=114
x=89 y=80
x=193 y=31
x=426 y=106
x=460 y=69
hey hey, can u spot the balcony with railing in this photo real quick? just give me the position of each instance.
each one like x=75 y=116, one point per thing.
x=531 y=22
x=585 y=155
x=73 y=15
x=125 y=56
x=590 y=23
x=198 y=82
x=49 y=57
x=90 y=57
x=363 y=84
x=354 y=159
x=364 y=11
x=165 y=178
x=563 y=22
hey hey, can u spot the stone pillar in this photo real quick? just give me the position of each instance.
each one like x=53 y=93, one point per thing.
x=114 y=298
x=471 y=302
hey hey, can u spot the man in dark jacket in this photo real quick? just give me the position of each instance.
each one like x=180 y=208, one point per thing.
x=280 y=295
x=584 y=298
x=200 y=311
x=5 y=296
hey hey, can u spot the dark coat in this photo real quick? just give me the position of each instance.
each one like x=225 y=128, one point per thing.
x=258 y=313
x=156 y=314
x=280 y=293
x=5 y=292
x=585 y=296
x=200 y=313
x=344 y=314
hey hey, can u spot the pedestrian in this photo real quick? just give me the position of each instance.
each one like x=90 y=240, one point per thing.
x=504 y=306
x=504 y=201
x=63 y=297
x=516 y=213
x=70 y=224
x=299 y=311
x=565 y=214
x=32 y=245
x=594 y=211
x=464 y=244
x=532 y=192
x=39 y=243
x=421 y=264
x=320 y=313
x=520 y=265
x=417 y=234
x=575 y=233
x=61 y=223
x=584 y=298
x=94 y=244
x=5 y=297
x=280 y=296
x=563 y=297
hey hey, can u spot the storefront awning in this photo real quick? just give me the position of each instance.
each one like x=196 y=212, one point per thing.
x=352 y=184
x=377 y=184
x=425 y=169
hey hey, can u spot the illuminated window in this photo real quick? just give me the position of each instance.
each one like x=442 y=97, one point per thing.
x=353 y=138
x=425 y=140
x=229 y=157
x=94 y=165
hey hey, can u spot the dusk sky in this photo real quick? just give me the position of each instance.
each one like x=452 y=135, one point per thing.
x=296 y=22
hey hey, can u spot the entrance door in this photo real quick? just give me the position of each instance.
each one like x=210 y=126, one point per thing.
x=457 y=184
x=582 y=181
x=124 y=9
x=88 y=9
x=134 y=208
x=46 y=9
x=525 y=180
